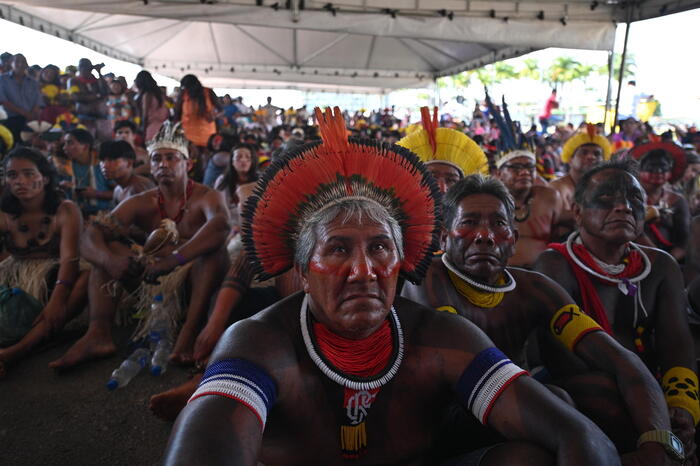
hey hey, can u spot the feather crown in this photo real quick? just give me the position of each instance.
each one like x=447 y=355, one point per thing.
x=444 y=145
x=312 y=177
x=170 y=136
x=512 y=143
x=588 y=136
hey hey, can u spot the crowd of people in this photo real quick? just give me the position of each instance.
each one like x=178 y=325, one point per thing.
x=495 y=294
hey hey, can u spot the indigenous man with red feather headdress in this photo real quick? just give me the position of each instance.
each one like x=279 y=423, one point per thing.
x=346 y=372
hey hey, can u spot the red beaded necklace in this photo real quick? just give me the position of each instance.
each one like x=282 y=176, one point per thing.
x=366 y=357
x=183 y=202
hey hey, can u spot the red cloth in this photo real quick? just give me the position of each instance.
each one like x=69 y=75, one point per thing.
x=592 y=304
x=659 y=236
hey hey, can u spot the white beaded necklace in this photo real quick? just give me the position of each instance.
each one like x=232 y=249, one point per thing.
x=625 y=285
x=509 y=286
x=339 y=378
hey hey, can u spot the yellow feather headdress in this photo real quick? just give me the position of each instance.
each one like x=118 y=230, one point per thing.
x=444 y=145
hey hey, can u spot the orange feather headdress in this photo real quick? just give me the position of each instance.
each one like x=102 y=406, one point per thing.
x=307 y=179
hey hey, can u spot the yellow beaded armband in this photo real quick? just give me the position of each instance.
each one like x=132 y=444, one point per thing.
x=569 y=324
x=680 y=386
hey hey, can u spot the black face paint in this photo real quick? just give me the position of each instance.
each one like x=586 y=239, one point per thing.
x=656 y=163
x=615 y=189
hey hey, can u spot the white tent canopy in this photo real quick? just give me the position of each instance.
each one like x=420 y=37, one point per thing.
x=347 y=45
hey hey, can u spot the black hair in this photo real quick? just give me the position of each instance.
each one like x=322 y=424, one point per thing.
x=626 y=165
x=655 y=154
x=191 y=84
x=226 y=144
x=230 y=180
x=119 y=124
x=83 y=136
x=475 y=184
x=112 y=150
x=147 y=85
x=52 y=195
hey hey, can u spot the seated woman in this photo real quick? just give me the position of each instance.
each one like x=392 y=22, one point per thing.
x=40 y=230
x=237 y=184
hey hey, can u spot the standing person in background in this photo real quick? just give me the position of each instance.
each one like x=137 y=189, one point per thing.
x=20 y=95
x=151 y=104
x=89 y=94
x=546 y=114
x=196 y=108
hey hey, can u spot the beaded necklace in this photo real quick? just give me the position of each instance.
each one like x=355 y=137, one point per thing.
x=508 y=285
x=381 y=351
x=183 y=203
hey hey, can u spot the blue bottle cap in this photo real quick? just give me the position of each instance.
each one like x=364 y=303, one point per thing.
x=16 y=291
x=112 y=384
x=158 y=298
x=156 y=370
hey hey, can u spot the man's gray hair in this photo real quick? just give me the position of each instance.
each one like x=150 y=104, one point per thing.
x=344 y=210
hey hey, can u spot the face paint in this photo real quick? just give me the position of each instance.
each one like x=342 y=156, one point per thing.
x=616 y=188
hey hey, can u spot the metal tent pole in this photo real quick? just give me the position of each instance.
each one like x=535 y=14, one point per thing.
x=622 y=65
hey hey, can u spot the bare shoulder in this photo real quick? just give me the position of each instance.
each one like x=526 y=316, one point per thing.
x=427 y=327
x=267 y=338
x=562 y=184
x=141 y=184
x=661 y=261
x=68 y=208
x=545 y=192
x=540 y=290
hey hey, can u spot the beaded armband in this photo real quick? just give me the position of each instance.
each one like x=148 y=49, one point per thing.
x=569 y=324
x=680 y=386
x=242 y=381
x=483 y=381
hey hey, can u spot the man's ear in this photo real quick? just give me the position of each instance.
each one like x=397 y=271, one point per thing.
x=190 y=165
x=516 y=233
x=577 y=211
x=443 y=238
x=302 y=276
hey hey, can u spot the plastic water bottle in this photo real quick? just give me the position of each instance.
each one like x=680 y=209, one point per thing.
x=128 y=369
x=160 y=335
x=159 y=322
x=159 y=362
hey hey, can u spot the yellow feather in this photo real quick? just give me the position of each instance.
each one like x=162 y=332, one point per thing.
x=452 y=146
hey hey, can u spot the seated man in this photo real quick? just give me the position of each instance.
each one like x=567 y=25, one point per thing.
x=581 y=151
x=471 y=279
x=537 y=208
x=667 y=223
x=634 y=292
x=345 y=371
x=449 y=155
x=199 y=257
x=117 y=160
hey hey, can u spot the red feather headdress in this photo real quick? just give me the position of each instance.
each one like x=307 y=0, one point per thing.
x=315 y=175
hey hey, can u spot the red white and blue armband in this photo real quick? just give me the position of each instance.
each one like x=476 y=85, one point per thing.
x=483 y=381
x=242 y=381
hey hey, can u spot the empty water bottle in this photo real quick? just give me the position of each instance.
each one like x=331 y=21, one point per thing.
x=159 y=362
x=128 y=369
x=159 y=321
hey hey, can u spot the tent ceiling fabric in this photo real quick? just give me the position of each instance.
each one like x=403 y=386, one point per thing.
x=360 y=46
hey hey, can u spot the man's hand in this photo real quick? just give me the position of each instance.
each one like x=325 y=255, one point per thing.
x=207 y=339
x=123 y=268
x=161 y=266
x=648 y=454
x=683 y=426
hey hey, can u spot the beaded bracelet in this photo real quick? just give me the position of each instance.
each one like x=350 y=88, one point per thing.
x=179 y=257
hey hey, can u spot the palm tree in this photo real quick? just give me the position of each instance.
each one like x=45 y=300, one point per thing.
x=530 y=69
x=562 y=70
x=630 y=66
